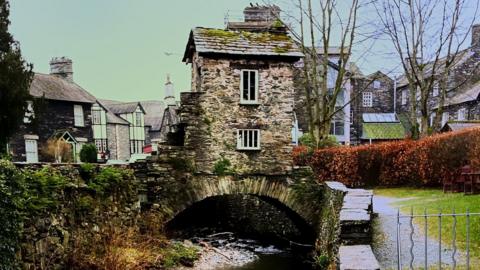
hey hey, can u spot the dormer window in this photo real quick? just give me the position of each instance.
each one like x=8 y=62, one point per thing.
x=249 y=86
x=248 y=139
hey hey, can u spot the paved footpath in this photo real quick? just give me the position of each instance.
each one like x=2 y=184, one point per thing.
x=384 y=235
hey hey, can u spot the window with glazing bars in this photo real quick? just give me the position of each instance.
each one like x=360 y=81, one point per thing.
x=248 y=139
x=249 y=87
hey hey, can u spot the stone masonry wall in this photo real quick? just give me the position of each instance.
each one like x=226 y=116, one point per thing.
x=213 y=115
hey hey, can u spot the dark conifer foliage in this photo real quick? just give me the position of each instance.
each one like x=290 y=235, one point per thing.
x=15 y=78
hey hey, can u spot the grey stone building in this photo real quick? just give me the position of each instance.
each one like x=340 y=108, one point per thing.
x=462 y=102
x=240 y=109
x=65 y=114
x=373 y=113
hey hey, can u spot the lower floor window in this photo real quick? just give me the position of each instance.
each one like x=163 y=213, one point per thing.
x=248 y=139
x=136 y=146
x=101 y=145
x=31 y=150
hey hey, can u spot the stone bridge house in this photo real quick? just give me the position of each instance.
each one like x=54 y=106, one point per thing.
x=231 y=134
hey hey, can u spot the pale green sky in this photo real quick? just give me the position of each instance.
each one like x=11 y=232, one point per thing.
x=117 y=46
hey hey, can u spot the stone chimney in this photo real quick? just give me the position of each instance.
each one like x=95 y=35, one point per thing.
x=62 y=67
x=476 y=37
x=261 y=13
x=169 y=93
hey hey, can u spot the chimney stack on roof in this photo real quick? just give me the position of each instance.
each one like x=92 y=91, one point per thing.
x=261 y=13
x=62 y=67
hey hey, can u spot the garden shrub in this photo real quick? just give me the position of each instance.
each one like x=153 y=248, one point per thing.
x=426 y=162
x=88 y=153
x=308 y=141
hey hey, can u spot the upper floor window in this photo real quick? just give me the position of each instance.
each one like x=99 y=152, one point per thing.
x=29 y=113
x=248 y=139
x=377 y=84
x=78 y=115
x=138 y=119
x=367 y=99
x=461 y=114
x=435 y=89
x=249 y=87
x=404 y=97
x=96 y=116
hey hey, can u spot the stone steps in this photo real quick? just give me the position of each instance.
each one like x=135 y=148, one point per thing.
x=358 y=257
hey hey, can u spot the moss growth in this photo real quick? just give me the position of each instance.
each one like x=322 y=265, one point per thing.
x=278 y=24
x=178 y=254
x=182 y=164
x=219 y=33
x=284 y=49
x=223 y=166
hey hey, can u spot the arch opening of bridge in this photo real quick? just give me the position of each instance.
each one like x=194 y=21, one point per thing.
x=248 y=216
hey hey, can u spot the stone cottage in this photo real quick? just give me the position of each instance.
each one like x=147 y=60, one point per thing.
x=373 y=111
x=66 y=114
x=240 y=109
x=462 y=102
x=70 y=113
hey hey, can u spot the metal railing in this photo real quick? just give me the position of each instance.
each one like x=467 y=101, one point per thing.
x=424 y=220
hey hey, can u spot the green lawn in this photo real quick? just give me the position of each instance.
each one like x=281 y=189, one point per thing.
x=434 y=200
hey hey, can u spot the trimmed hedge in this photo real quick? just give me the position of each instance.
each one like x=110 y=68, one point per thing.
x=426 y=162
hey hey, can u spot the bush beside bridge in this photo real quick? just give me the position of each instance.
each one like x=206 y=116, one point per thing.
x=426 y=162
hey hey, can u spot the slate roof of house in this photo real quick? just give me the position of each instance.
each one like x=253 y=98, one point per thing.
x=465 y=95
x=154 y=110
x=383 y=131
x=459 y=125
x=57 y=88
x=461 y=58
x=379 y=118
x=219 y=41
x=118 y=107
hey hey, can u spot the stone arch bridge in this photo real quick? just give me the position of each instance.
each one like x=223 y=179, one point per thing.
x=170 y=193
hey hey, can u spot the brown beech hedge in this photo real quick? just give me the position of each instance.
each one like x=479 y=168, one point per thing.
x=425 y=162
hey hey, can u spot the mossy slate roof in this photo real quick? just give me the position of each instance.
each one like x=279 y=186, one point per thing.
x=219 y=41
x=383 y=131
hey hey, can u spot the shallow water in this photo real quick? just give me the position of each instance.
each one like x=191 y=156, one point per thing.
x=227 y=252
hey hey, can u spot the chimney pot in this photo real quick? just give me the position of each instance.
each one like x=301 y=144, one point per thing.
x=62 y=67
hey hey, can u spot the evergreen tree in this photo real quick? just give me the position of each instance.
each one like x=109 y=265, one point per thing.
x=15 y=78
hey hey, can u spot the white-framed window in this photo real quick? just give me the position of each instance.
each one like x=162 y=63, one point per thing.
x=367 y=98
x=249 y=86
x=138 y=119
x=29 y=113
x=404 y=97
x=432 y=118
x=435 y=90
x=248 y=139
x=461 y=114
x=78 y=115
x=31 y=150
x=377 y=84
x=136 y=146
x=101 y=145
x=445 y=118
x=96 y=116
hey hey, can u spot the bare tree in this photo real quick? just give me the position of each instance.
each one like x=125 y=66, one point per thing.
x=324 y=82
x=427 y=36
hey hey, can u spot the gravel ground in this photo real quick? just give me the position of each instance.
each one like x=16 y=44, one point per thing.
x=384 y=240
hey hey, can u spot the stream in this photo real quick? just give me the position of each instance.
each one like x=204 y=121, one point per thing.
x=226 y=251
